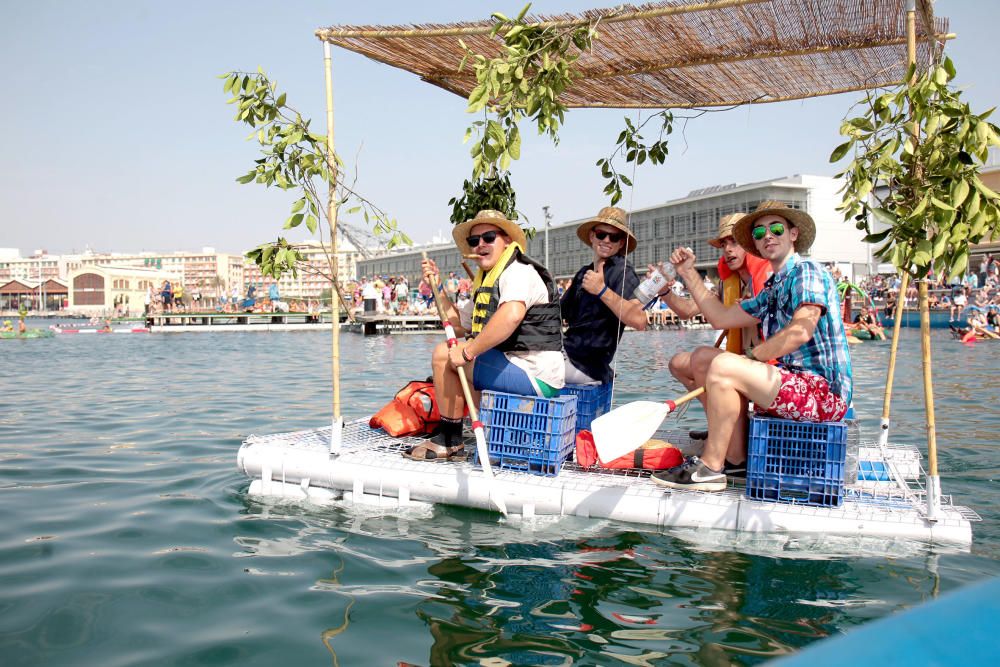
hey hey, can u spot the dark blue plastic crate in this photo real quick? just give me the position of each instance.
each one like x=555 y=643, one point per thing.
x=528 y=433
x=796 y=462
x=592 y=401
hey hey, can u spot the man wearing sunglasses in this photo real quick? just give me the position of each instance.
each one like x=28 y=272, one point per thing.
x=593 y=307
x=743 y=276
x=803 y=331
x=513 y=321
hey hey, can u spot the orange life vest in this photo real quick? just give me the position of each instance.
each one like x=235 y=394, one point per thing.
x=732 y=290
x=412 y=411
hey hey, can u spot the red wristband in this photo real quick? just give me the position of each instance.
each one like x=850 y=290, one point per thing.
x=465 y=355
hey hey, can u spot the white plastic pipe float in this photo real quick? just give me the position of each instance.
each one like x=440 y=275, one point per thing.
x=385 y=474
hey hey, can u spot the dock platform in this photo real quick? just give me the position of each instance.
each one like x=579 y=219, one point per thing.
x=380 y=324
x=187 y=322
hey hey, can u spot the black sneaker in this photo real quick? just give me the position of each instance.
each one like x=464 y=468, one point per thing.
x=692 y=474
x=738 y=470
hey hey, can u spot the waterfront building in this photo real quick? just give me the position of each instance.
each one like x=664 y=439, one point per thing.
x=39 y=267
x=687 y=221
x=48 y=296
x=209 y=272
x=990 y=176
x=97 y=289
x=312 y=278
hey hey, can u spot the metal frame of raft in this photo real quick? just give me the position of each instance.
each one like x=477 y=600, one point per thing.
x=370 y=471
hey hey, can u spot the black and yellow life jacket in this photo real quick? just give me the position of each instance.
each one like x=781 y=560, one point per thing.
x=541 y=328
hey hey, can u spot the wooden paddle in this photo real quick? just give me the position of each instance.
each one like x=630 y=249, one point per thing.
x=477 y=426
x=626 y=428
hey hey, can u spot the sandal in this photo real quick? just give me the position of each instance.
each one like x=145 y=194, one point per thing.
x=435 y=453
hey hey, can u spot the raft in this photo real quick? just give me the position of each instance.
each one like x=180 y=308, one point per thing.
x=102 y=331
x=30 y=333
x=370 y=471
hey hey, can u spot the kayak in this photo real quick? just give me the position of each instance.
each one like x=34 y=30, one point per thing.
x=30 y=333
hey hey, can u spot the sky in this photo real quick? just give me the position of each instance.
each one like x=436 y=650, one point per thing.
x=118 y=138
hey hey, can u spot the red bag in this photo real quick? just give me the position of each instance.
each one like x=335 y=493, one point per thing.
x=654 y=455
x=413 y=411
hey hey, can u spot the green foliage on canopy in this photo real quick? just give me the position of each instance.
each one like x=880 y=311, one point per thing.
x=917 y=152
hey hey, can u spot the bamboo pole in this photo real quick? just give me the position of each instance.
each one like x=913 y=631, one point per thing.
x=883 y=436
x=331 y=211
x=933 y=480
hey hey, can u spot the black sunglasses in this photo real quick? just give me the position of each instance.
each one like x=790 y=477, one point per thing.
x=614 y=237
x=487 y=237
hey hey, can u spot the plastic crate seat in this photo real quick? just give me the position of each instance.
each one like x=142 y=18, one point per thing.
x=796 y=462
x=592 y=401
x=528 y=433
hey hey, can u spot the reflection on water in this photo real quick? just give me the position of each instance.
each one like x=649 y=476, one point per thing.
x=129 y=537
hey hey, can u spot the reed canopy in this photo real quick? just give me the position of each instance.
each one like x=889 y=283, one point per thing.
x=688 y=53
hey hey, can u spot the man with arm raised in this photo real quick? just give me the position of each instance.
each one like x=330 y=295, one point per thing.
x=803 y=332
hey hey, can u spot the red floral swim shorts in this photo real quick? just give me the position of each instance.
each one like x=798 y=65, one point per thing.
x=806 y=397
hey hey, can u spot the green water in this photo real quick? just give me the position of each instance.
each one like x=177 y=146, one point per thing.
x=128 y=537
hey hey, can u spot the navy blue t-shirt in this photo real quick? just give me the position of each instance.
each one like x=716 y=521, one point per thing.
x=593 y=332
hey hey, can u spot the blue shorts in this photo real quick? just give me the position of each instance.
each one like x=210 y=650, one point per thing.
x=495 y=372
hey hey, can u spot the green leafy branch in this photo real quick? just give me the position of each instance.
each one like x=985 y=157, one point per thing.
x=525 y=81
x=295 y=158
x=917 y=151
x=632 y=146
x=494 y=192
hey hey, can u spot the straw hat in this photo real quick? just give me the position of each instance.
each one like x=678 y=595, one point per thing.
x=726 y=224
x=613 y=217
x=488 y=217
x=800 y=219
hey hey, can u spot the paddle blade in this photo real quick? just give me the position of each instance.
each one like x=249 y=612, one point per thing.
x=626 y=428
x=483 y=452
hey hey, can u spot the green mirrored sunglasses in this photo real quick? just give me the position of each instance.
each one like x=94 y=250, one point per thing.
x=777 y=229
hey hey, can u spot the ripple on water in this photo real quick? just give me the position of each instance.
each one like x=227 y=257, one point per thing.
x=129 y=538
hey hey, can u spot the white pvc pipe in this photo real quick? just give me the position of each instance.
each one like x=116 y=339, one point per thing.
x=635 y=501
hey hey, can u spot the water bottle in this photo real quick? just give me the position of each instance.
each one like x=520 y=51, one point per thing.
x=649 y=288
x=853 y=446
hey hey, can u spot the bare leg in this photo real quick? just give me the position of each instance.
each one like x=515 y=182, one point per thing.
x=732 y=379
x=701 y=361
x=447 y=387
x=681 y=366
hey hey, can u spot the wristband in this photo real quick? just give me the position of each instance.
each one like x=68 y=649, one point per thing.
x=603 y=290
x=468 y=357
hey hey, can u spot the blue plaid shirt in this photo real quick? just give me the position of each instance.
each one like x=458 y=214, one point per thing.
x=803 y=282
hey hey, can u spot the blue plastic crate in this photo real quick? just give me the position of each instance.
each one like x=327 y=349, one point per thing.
x=528 y=433
x=796 y=462
x=592 y=401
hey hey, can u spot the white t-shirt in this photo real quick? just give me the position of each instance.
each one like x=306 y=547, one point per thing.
x=520 y=282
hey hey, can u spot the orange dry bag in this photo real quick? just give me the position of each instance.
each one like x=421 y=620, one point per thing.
x=412 y=411
x=654 y=455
